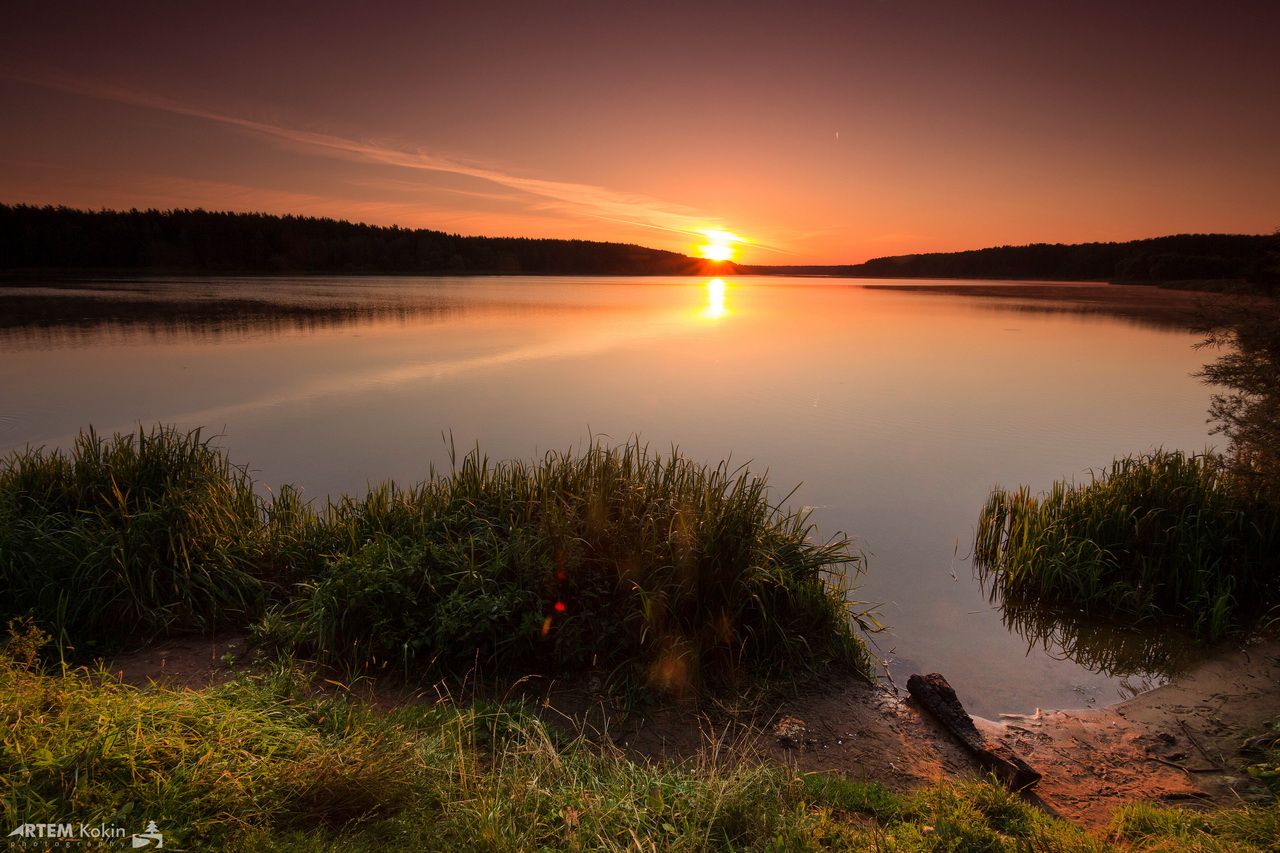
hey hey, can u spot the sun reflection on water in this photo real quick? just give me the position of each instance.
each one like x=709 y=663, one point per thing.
x=715 y=308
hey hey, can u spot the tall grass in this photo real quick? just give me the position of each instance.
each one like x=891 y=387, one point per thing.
x=671 y=571
x=129 y=536
x=1164 y=536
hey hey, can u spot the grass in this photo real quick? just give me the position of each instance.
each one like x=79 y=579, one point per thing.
x=1151 y=827
x=1164 y=537
x=669 y=574
x=615 y=558
x=267 y=763
x=128 y=537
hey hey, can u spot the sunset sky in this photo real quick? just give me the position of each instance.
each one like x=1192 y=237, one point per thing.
x=817 y=131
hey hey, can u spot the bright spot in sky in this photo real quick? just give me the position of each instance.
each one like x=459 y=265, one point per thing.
x=720 y=245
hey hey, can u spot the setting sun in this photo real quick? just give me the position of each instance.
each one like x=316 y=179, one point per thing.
x=721 y=245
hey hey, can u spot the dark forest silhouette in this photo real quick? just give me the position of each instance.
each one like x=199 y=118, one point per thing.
x=1201 y=258
x=199 y=241
x=203 y=242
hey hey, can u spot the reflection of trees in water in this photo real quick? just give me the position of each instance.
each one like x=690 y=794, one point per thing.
x=36 y=321
x=1142 y=306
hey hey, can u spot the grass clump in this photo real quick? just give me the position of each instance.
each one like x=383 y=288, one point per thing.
x=668 y=571
x=1266 y=765
x=1165 y=536
x=128 y=536
x=1143 y=826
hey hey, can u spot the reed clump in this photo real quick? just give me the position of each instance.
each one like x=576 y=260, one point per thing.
x=665 y=571
x=129 y=536
x=1164 y=536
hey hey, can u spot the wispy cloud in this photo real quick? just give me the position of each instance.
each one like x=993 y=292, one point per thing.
x=578 y=199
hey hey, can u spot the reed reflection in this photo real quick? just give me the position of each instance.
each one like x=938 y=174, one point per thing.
x=1142 y=657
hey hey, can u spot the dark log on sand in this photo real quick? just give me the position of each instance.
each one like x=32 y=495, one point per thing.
x=934 y=693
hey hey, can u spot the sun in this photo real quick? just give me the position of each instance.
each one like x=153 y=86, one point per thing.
x=717 y=252
x=720 y=245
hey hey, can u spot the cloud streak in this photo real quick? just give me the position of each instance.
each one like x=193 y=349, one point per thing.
x=577 y=199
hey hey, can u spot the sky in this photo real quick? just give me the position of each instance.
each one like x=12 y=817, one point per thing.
x=813 y=132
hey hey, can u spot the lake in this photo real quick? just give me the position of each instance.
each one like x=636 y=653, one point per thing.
x=892 y=407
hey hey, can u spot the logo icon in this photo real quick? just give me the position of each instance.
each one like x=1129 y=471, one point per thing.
x=147 y=837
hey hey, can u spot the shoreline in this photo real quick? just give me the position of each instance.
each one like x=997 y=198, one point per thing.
x=1176 y=744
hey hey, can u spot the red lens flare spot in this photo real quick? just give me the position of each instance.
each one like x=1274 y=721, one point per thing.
x=559 y=606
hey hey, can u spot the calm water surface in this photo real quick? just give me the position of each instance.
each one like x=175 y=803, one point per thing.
x=895 y=408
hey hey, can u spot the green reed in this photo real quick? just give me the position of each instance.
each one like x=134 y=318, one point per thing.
x=613 y=557
x=124 y=537
x=1164 y=536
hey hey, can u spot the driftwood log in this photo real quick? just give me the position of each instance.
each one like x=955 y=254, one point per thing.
x=935 y=694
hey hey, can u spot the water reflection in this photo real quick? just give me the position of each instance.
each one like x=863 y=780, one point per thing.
x=1142 y=658
x=44 y=317
x=715 y=309
x=896 y=411
x=1141 y=305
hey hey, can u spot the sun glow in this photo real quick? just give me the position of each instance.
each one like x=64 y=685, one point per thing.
x=720 y=245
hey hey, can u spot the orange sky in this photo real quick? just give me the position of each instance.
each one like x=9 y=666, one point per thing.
x=820 y=131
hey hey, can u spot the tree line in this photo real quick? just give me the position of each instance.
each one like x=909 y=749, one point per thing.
x=200 y=241
x=1241 y=258
x=207 y=242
